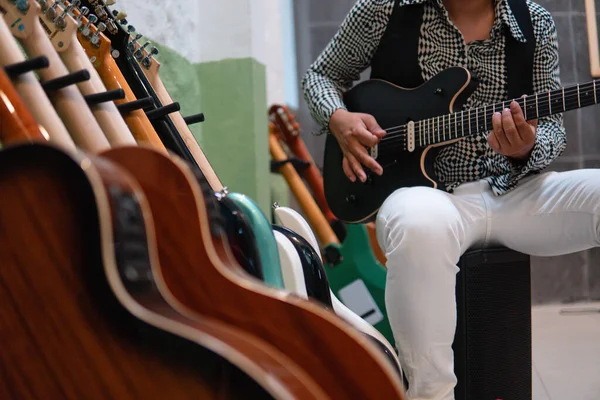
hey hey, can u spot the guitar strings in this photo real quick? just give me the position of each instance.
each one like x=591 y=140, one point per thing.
x=569 y=94
x=489 y=110
x=397 y=133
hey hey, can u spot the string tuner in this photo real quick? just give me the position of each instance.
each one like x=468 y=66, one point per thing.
x=83 y=11
x=147 y=61
x=139 y=53
x=32 y=64
x=23 y=5
x=162 y=112
x=135 y=105
x=64 y=81
x=110 y=2
x=101 y=28
x=131 y=44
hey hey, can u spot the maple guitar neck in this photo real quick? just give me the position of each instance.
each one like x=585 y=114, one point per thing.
x=31 y=92
x=72 y=54
x=182 y=127
x=110 y=74
x=309 y=206
x=68 y=101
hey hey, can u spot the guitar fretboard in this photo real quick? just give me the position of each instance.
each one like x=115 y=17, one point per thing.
x=470 y=122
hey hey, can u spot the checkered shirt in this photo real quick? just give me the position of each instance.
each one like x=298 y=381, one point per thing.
x=441 y=46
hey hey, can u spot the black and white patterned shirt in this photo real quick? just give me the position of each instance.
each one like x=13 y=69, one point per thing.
x=441 y=46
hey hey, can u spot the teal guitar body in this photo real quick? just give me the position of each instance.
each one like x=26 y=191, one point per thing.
x=358 y=280
x=266 y=245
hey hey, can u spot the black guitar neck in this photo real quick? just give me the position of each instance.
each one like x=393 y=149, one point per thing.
x=469 y=122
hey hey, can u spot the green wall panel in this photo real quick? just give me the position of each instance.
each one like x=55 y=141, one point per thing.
x=232 y=95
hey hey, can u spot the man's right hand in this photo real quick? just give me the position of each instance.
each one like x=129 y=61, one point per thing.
x=354 y=132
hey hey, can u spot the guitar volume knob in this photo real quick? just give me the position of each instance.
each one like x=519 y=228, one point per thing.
x=351 y=199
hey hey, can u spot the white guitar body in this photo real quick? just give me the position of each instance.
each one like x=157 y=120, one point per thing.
x=291 y=266
x=291 y=219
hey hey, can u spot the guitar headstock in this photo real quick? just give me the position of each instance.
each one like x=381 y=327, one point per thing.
x=20 y=16
x=95 y=44
x=57 y=22
x=285 y=123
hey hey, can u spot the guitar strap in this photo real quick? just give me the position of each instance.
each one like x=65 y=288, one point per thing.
x=396 y=58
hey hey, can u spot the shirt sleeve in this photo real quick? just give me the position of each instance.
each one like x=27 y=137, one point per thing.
x=551 y=136
x=344 y=58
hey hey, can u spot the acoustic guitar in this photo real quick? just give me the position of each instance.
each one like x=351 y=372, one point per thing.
x=190 y=246
x=288 y=131
x=31 y=91
x=354 y=274
x=95 y=260
x=418 y=123
x=29 y=26
x=82 y=310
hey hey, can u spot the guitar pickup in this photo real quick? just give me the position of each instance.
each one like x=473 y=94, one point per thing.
x=374 y=151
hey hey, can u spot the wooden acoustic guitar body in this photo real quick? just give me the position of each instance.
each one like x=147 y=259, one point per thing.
x=81 y=315
x=391 y=106
x=202 y=274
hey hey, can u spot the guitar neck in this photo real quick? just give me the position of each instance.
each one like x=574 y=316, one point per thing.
x=107 y=115
x=32 y=93
x=184 y=131
x=69 y=102
x=313 y=213
x=470 y=122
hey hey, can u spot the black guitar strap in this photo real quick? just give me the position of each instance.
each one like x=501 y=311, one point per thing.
x=519 y=55
x=396 y=58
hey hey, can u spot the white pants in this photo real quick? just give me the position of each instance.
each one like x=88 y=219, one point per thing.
x=424 y=231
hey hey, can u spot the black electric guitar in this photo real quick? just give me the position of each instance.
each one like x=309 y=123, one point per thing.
x=417 y=121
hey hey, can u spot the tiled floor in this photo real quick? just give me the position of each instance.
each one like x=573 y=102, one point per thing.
x=566 y=353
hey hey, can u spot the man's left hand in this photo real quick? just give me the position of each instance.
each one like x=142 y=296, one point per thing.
x=512 y=136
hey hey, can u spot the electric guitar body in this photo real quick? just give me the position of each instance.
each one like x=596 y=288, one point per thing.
x=202 y=274
x=83 y=308
x=392 y=106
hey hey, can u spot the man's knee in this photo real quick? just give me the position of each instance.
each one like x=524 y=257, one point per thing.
x=413 y=218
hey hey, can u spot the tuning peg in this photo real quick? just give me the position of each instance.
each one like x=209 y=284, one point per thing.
x=85 y=28
x=132 y=42
x=135 y=105
x=67 y=80
x=101 y=28
x=51 y=12
x=60 y=21
x=147 y=61
x=83 y=11
x=162 y=112
x=23 y=67
x=139 y=53
x=110 y=2
x=101 y=12
x=194 y=119
x=23 y=5
x=111 y=95
x=43 y=5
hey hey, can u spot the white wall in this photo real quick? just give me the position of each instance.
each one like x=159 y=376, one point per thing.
x=210 y=30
